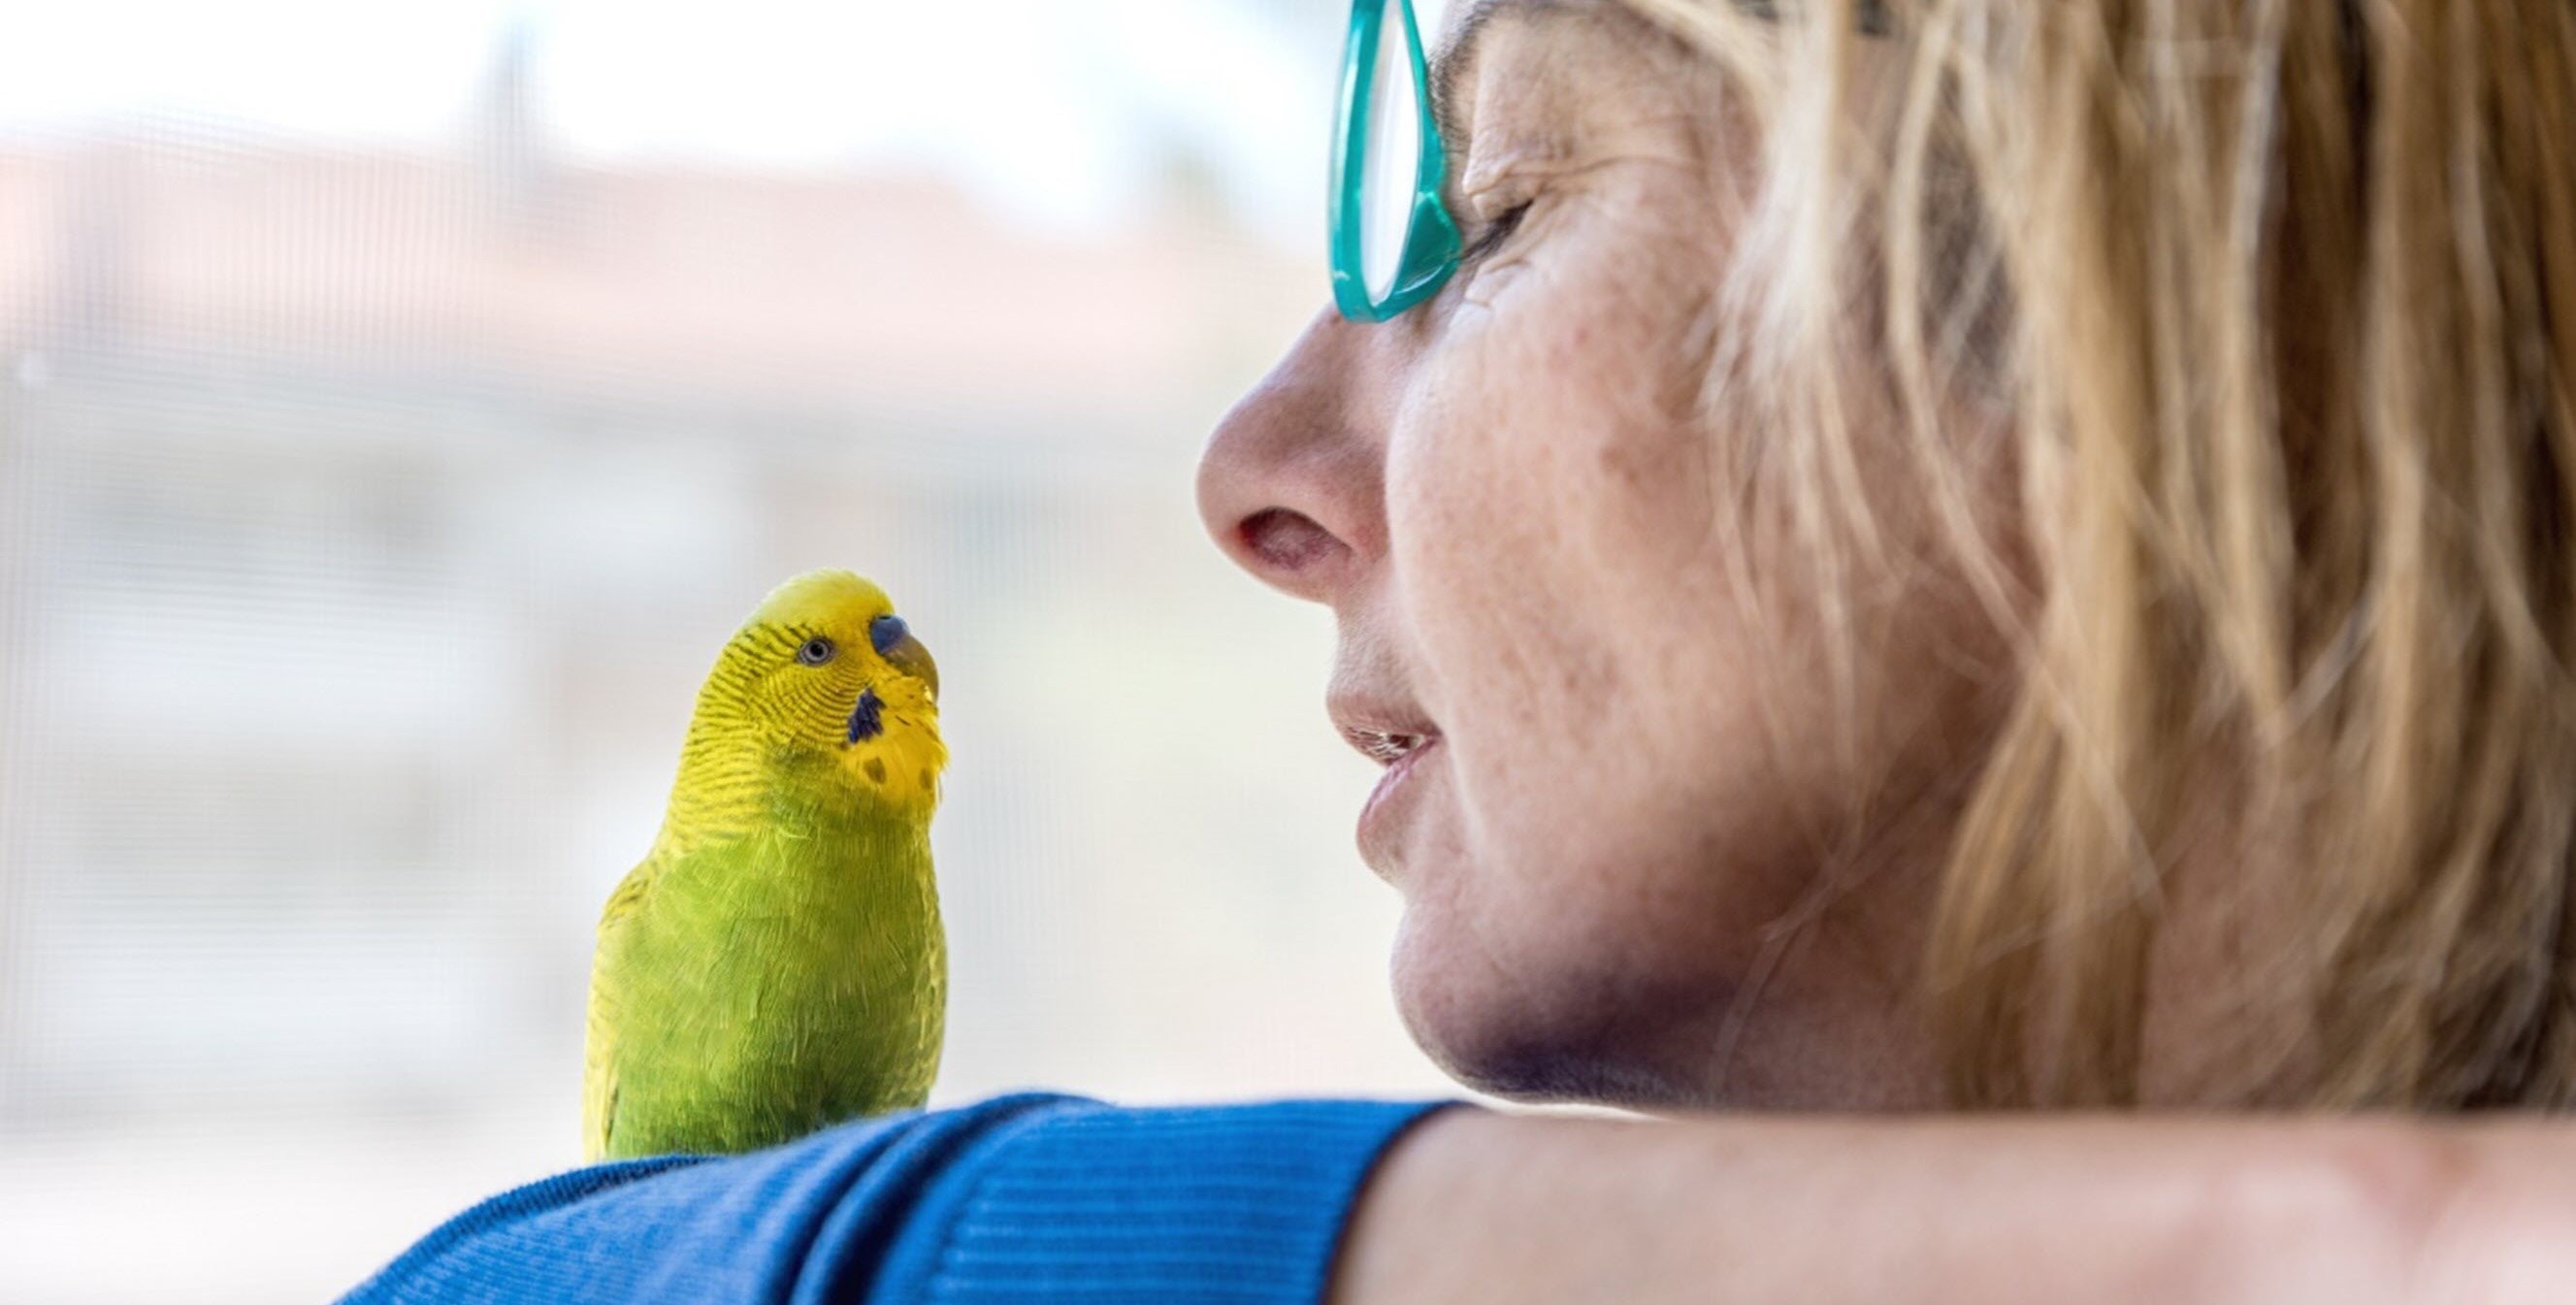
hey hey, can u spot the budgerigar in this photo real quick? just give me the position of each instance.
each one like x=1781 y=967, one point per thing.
x=776 y=964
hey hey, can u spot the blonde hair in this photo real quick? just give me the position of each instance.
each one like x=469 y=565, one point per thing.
x=2272 y=304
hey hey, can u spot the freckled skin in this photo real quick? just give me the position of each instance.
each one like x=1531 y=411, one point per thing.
x=1618 y=884
x=776 y=964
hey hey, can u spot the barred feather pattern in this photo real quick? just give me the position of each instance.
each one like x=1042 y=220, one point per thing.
x=776 y=964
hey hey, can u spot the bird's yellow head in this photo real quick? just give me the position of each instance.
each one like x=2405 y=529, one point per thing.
x=826 y=674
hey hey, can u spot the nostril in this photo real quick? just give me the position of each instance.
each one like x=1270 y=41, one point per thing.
x=1286 y=541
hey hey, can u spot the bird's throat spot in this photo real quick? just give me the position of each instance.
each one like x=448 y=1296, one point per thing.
x=875 y=768
x=867 y=720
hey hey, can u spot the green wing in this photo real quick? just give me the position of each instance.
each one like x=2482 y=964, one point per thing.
x=599 y=1050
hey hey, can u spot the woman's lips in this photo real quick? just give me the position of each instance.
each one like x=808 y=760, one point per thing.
x=1381 y=814
x=1391 y=731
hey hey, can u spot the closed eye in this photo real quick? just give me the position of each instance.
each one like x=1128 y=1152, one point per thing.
x=1495 y=233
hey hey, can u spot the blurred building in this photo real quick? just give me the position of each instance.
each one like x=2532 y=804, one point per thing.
x=366 y=520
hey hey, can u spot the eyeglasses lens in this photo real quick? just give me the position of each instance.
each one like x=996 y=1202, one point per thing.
x=1391 y=177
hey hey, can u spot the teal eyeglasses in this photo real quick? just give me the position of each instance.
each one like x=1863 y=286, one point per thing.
x=1394 y=243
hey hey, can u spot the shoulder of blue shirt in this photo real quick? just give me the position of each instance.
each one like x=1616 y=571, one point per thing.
x=1027 y=1199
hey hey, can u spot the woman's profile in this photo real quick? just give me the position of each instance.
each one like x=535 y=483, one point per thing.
x=1970 y=602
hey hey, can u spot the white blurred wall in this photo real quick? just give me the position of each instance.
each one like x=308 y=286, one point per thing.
x=370 y=506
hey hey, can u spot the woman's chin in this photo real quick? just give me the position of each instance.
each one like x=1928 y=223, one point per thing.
x=1518 y=1036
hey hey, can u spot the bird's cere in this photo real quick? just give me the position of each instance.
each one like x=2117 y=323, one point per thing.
x=887 y=631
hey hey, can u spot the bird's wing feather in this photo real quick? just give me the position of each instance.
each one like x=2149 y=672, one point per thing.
x=599 y=1050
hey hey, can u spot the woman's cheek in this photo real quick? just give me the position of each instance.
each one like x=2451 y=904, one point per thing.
x=1490 y=561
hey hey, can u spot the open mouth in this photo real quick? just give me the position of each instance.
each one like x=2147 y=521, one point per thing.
x=1384 y=747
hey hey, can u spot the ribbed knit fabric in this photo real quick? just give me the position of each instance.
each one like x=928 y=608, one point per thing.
x=1027 y=1199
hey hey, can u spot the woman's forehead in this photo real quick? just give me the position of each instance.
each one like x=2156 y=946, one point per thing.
x=1452 y=25
x=1460 y=26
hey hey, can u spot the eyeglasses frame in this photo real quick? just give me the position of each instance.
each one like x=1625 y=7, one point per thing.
x=1431 y=241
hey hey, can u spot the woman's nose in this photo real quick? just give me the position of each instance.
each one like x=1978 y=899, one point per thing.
x=1292 y=483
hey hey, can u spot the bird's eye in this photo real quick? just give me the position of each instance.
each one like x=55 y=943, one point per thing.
x=817 y=651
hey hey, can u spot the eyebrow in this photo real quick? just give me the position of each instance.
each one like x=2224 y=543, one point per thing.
x=1454 y=58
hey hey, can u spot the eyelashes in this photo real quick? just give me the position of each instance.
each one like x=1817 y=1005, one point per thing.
x=1494 y=234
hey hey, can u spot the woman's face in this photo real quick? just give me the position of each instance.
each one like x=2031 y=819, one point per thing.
x=1616 y=886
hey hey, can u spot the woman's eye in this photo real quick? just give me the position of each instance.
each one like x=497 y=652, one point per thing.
x=1495 y=233
x=816 y=651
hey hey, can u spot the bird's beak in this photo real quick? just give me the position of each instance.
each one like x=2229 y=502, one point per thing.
x=908 y=656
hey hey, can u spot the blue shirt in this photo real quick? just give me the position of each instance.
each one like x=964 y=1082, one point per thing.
x=1024 y=1199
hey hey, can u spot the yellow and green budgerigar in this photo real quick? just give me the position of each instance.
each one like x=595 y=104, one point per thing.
x=776 y=964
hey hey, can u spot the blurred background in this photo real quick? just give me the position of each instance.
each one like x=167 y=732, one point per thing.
x=399 y=404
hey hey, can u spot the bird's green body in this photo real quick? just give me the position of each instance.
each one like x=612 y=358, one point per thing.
x=776 y=964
